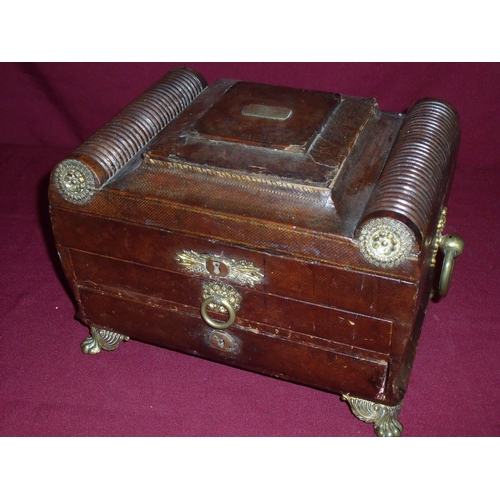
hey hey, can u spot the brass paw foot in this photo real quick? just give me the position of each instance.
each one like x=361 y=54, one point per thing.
x=102 y=339
x=384 y=418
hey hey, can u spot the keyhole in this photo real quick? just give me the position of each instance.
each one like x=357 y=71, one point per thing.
x=223 y=341
x=216 y=267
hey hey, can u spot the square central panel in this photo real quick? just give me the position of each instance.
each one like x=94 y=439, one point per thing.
x=273 y=117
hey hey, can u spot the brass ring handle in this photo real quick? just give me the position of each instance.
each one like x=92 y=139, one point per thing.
x=452 y=246
x=212 y=322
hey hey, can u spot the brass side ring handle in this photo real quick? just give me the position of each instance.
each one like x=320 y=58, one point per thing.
x=212 y=322
x=452 y=246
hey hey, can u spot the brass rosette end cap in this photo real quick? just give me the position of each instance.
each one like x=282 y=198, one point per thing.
x=385 y=242
x=74 y=181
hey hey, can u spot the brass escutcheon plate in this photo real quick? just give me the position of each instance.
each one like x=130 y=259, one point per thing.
x=242 y=272
x=222 y=341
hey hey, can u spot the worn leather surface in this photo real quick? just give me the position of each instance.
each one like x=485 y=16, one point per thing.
x=50 y=388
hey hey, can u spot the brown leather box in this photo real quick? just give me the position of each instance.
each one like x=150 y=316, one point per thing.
x=290 y=232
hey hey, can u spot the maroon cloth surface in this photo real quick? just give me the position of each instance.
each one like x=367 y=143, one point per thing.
x=49 y=388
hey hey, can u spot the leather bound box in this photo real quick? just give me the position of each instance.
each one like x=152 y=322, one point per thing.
x=289 y=232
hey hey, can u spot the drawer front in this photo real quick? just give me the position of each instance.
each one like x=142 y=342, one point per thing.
x=313 y=282
x=256 y=310
x=297 y=359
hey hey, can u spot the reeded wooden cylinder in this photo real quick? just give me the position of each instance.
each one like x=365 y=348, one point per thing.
x=111 y=151
x=404 y=198
x=421 y=158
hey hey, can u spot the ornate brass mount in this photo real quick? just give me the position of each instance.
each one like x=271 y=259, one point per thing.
x=222 y=298
x=74 y=181
x=102 y=339
x=384 y=418
x=385 y=242
x=241 y=272
x=439 y=235
x=451 y=246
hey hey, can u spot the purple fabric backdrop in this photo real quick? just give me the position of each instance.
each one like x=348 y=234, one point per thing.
x=49 y=388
